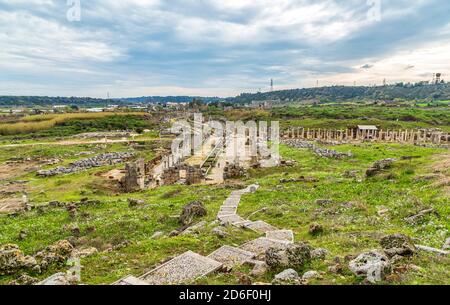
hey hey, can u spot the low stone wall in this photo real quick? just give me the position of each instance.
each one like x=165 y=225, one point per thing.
x=233 y=171
x=321 y=152
x=85 y=164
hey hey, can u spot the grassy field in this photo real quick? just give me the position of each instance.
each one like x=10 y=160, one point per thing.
x=33 y=124
x=348 y=115
x=351 y=223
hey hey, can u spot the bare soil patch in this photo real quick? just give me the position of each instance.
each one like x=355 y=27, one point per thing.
x=10 y=205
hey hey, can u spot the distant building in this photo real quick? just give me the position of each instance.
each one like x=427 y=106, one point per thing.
x=16 y=111
x=268 y=104
x=369 y=131
x=94 y=110
x=367 y=128
x=177 y=106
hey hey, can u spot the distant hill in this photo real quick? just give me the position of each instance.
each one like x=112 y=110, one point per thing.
x=34 y=101
x=169 y=99
x=419 y=91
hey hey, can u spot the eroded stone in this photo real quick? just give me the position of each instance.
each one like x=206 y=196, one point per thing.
x=231 y=256
x=285 y=235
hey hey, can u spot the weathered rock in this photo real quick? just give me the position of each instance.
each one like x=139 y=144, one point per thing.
x=324 y=202
x=311 y=275
x=24 y=280
x=287 y=277
x=13 y=260
x=220 y=233
x=244 y=279
x=315 y=229
x=379 y=166
x=337 y=268
x=190 y=211
x=432 y=250
x=446 y=244
x=157 y=235
x=58 y=253
x=397 y=244
x=233 y=171
x=58 y=279
x=416 y=219
x=351 y=174
x=373 y=265
x=259 y=268
x=195 y=228
x=135 y=202
x=75 y=230
x=291 y=256
x=23 y=234
x=319 y=253
x=72 y=210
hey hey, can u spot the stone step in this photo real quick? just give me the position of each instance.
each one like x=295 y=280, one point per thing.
x=231 y=256
x=182 y=269
x=285 y=235
x=57 y=279
x=230 y=210
x=224 y=215
x=130 y=281
x=252 y=188
x=260 y=245
x=260 y=226
x=242 y=224
x=230 y=219
x=235 y=206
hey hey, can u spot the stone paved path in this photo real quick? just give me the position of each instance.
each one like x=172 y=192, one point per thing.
x=190 y=266
x=182 y=269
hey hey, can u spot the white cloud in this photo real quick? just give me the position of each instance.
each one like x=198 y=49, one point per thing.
x=29 y=41
x=212 y=47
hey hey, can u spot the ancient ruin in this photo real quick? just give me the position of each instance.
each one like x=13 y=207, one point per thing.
x=350 y=135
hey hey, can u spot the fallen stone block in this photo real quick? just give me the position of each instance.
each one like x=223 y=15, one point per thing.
x=432 y=250
x=130 y=281
x=260 y=226
x=182 y=269
x=231 y=256
x=372 y=265
x=285 y=235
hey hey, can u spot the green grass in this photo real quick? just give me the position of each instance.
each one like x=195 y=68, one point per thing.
x=349 y=115
x=70 y=124
x=351 y=223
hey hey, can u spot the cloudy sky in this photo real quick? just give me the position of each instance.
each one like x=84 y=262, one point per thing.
x=216 y=47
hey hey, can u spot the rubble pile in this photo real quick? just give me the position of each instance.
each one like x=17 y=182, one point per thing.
x=81 y=165
x=321 y=152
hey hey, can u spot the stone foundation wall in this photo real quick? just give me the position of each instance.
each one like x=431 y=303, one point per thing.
x=233 y=171
x=194 y=175
x=134 y=179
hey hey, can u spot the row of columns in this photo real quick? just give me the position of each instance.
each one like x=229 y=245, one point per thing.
x=401 y=136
